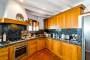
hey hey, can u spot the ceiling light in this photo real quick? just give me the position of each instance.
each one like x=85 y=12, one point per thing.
x=21 y=0
x=44 y=8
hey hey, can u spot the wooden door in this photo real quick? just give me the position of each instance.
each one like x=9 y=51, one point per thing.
x=48 y=43
x=74 y=14
x=32 y=47
x=46 y=24
x=79 y=53
x=57 y=48
x=40 y=44
x=67 y=19
x=69 y=51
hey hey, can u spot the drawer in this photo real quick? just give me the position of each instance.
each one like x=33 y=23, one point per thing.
x=33 y=50
x=32 y=41
x=4 y=57
x=33 y=45
x=3 y=49
x=3 y=53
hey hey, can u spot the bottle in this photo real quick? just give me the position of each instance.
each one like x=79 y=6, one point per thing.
x=4 y=37
x=0 y=38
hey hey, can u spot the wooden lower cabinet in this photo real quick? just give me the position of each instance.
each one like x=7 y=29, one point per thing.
x=57 y=48
x=65 y=51
x=49 y=44
x=40 y=44
x=11 y=52
x=79 y=53
x=69 y=51
x=32 y=47
x=4 y=55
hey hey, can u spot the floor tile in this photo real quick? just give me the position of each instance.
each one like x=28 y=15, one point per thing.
x=44 y=55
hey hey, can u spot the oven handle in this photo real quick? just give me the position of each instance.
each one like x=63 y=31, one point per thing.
x=17 y=48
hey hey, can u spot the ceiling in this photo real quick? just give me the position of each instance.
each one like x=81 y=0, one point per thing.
x=47 y=8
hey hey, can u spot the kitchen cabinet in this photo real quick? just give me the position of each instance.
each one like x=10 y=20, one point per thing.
x=32 y=47
x=45 y=23
x=66 y=19
x=79 y=53
x=57 y=48
x=49 y=44
x=69 y=51
x=61 y=21
x=40 y=44
x=11 y=52
x=4 y=54
x=72 y=18
x=50 y=23
x=12 y=21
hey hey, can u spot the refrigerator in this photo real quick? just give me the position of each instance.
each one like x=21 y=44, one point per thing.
x=85 y=25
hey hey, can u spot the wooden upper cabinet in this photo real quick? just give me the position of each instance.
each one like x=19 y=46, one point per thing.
x=45 y=23
x=66 y=19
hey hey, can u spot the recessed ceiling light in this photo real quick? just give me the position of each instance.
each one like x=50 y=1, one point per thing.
x=21 y=0
x=44 y=8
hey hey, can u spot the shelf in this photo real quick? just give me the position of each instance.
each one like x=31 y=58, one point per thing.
x=8 y=20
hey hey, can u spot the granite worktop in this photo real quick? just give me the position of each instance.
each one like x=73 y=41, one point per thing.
x=8 y=43
x=67 y=41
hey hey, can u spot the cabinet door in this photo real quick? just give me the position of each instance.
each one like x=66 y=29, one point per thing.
x=57 y=48
x=40 y=44
x=46 y=24
x=32 y=47
x=69 y=51
x=74 y=15
x=67 y=20
x=79 y=53
x=48 y=44
x=62 y=20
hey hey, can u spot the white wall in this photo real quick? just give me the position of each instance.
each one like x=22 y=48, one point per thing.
x=39 y=19
x=86 y=3
x=41 y=23
x=3 y=4
x=31 y=16
x=13 y=8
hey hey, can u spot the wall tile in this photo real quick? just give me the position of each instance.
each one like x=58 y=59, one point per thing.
x=11 y=34
x=69 y=32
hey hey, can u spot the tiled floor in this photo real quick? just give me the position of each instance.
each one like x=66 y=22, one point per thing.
x=44 y=55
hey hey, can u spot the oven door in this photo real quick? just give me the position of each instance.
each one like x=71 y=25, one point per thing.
x=20 y=51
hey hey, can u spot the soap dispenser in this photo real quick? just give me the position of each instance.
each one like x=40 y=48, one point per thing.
x=4 y=37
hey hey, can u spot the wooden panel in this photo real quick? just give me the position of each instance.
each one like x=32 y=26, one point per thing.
x=48 y=43
x=46 y=24
x=74 y=14
x=0 y=19
x=33 y=50
x=4 y=53
x=7 y=20
x=32 y=41
x=11 y=52
x=32 y=47
x=23 y=58
x=40 y=44
x=79 y=53
x=57 y=48
x=67 y=19
x=69 y=51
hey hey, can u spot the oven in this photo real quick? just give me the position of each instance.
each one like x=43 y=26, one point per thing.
x=20 y=51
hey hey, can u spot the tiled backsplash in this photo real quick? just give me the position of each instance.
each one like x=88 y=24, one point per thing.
x=69 y=32
x=5 y=28
x=11 y=34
